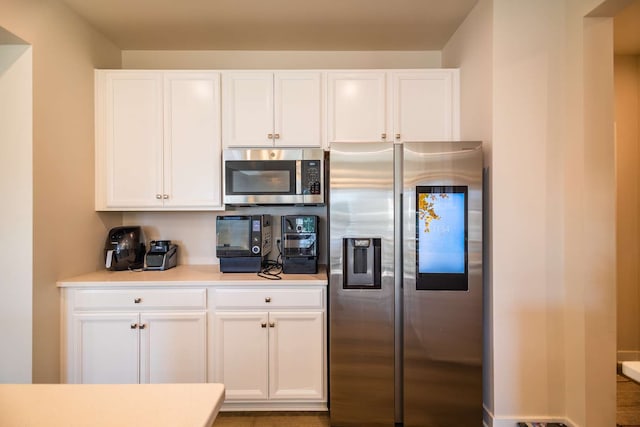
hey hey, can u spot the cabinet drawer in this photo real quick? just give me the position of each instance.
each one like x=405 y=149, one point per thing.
x=268 y=298
x=139 y=299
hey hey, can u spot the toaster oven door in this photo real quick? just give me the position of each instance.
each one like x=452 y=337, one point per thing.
x=233 y=236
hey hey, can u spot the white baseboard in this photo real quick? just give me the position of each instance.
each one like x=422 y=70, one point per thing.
x=513 y=421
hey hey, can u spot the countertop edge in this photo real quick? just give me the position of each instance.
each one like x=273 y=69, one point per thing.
x=189 y=276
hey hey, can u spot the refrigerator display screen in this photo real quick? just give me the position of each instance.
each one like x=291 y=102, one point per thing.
x=441 y=238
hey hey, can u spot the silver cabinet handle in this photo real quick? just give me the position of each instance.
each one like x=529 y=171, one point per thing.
x=134 y=326
x=263 y=324
x=267 y=299
x=383 y=136
x=137 y=300
x=165 y=196
x=142 y=325
x=158 y=196
x=276 y=136
x=270 y=136
x=397 y=136
x=272 y=324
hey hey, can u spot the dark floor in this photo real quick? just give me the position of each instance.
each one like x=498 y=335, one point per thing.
x=272 y=419
x=628 y=411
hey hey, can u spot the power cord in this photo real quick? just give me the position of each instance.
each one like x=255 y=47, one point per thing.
x=272 y=269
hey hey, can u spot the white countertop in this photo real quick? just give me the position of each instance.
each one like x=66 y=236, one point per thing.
x=193 y=275
x=110 y=405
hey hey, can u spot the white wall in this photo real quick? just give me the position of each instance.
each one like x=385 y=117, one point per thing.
x=527 y=206
x=68 y=235
x=274 y=60
x=195 y=232
x=16 y=192
x=551 y=204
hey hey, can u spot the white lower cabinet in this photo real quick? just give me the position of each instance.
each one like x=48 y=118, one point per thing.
x=266 y=344
x=163 y=341
x=273 y=357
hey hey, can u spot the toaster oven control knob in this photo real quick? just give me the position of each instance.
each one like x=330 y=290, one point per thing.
x=255 y=249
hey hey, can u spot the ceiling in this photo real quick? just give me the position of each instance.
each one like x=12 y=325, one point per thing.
x=297 y=24
x=275 y=24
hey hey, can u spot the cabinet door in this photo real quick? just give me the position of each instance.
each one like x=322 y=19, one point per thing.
x=241 y=340
x=426 y=106
x=247 y=109
x=298 y=109
x=173 y=347
x=129 y=140
x=296 y=355
x=192 y=152
x=105 y=349
x=357 y=110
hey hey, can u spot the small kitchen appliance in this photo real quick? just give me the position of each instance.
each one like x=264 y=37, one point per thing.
x=288 y=176
x=124 y=248
x=242 y=242
x=162 y=255
x=299 y=244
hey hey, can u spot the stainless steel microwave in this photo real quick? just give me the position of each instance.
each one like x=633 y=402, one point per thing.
x=287 y=176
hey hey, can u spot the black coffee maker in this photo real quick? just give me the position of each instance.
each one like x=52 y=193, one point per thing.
x=124 y=248
x=299 y=244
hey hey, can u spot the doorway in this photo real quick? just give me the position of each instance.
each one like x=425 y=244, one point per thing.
x=627 y=148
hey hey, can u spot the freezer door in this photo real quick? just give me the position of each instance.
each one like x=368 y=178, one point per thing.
x=442 y=284
x=361 y=283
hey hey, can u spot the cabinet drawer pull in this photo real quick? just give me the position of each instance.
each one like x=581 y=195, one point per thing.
x=134 y=326
x=269 y=136
x=137 y=300
x=276 y=136
x=142 y=325
x=267 y=299
x=272 y=324
x=383 y=136
x=397 y=136
x=263 y=324
x=158 y=196
x=165 y=196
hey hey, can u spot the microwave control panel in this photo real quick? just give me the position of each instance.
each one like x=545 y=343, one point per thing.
x=311 y=177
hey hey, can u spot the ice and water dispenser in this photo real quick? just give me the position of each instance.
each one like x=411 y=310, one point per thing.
x=362 y=263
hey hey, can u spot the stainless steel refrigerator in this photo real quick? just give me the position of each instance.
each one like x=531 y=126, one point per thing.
x=405 y=299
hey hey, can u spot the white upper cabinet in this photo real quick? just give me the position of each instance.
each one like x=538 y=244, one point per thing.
x=192 y=146
x=298 y=106
x=357 y=106
x=272 y=109
x=247 y=109
x=128 y=139
x=399 y=106
x=426 y=105
x=157 y=140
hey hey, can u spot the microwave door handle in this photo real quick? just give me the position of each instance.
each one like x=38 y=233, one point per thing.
x=298 y=177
